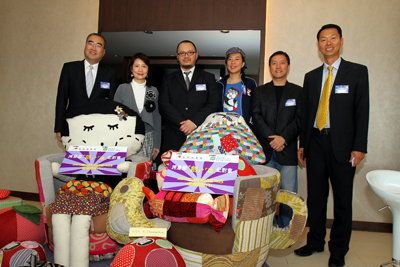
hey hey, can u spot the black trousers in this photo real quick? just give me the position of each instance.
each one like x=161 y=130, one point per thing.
x=322 y=167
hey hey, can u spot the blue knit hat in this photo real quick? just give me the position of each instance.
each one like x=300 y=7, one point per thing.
x=233 y=50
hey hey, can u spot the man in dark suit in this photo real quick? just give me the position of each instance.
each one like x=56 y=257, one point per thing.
x=187 y=97
x=333 y=142
x=276 y=119
x=83 y=81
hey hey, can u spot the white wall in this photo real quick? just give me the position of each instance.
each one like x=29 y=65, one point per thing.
x=37 y=37
x=371 y=37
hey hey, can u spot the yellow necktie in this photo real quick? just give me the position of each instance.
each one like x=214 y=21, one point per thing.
x=323 y=107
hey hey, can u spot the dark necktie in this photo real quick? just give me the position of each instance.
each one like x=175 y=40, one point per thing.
x=187 y=80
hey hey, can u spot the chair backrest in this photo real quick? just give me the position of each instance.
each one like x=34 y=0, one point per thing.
x=255 y=196
x=45 y=180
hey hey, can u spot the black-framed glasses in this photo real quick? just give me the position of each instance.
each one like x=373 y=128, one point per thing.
x=188 y=53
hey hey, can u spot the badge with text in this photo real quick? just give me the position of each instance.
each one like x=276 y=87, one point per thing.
x=290 y=102
x=104 y=85
x=201 y=87
x=93 y=160
x=201 y=173
x=341 y=89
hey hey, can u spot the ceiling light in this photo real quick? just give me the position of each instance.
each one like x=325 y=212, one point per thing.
x=148 y=32
x=224 y=31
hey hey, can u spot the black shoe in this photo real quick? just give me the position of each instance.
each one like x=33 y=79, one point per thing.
x=307 y=251
x=335 y=261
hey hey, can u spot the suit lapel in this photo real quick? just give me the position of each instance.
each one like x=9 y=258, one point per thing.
x=271 y=97
x=181 y=80
x=340 y=75
x=194 y=79
x=100 y=73
x=317 y=80
x=284 y=97
x=82 y=78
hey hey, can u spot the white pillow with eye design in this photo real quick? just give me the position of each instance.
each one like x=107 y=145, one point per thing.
x=103 y=130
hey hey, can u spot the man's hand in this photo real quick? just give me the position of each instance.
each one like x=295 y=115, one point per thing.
x=57 y=136
x=356 y=157
x=277 y=143
x=187 y=127
x=300 y=157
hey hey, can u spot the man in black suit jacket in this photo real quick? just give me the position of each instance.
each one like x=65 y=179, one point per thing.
x=187 y=97
x=335 y=145
x=276 y=120
x=72 y=87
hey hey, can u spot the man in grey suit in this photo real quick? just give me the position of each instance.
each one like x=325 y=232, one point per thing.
x=83 y=81
x=333 y=141
x=187 y=97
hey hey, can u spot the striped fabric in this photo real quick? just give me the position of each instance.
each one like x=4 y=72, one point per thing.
x=284 y=238
x=252 y=234
x=242 y=259
x=191 y=258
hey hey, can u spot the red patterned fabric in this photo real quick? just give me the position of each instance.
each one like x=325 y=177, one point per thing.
x=15 y=227
x=149 y=252
x=189 y=207
x=245 y=168
x=4 y=193
x=229 y=143
x=83 y=188
x=179 y=209
x=101 y=244
x=8 y=222
x=143 y=170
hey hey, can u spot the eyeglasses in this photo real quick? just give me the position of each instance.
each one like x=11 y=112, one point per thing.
x=91 y=43
x=184 y=54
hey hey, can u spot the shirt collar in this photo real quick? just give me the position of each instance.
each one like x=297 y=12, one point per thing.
x=191 y=70
x=95 y=66
x=335 y=64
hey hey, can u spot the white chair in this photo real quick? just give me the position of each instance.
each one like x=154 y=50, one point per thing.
x=386 y=184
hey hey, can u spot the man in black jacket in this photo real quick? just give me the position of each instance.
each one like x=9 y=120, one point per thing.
x=187 y=97
x=276 y=119
x=83 y=81
x=333 y=141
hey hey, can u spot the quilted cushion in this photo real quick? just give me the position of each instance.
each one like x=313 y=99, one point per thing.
x=225 y=133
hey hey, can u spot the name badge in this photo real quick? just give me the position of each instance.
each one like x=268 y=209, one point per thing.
x=201 y=87
x=104 y=85
x=290 y=102
x=341 y=89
